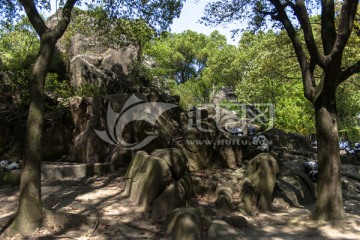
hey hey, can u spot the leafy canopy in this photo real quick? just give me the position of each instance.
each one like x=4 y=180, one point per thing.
x=157 y=13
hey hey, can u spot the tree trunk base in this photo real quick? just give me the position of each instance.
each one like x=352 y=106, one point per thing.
x=53 y=221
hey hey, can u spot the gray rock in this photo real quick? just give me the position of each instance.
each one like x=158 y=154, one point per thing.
x=173 y=197
x=260 y=178
x=239 y=222
x=223 y=203
x=219 y=229
x=176 y=160
x=197 y=149
x=293 y=185
x=184 y=223
x=147 y=177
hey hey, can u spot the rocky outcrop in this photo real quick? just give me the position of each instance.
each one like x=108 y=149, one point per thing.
x=110 y=128
x=92 y=63
x=160 y=183
x=220 y=229
x=260 y=178
x=147 y=177
x=224 y=197
x=289 y=142
x=196 y=146
x=184 y=223
x=293 y=184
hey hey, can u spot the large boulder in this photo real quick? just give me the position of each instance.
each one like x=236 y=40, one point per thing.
x=230 y=151
x=224 y=197
x=111 y=128
x=289 y=141
x=175 y=159
x=147 y=177
x=176 y=195
x=87 y=114
x=294 y=185
x=91 y=60
x=161 y=182
x=180 y=191
x=184 y=223
x=219 y=229
x=196 y=146
x=99 y=65
x=260 y=178
x=173 y=197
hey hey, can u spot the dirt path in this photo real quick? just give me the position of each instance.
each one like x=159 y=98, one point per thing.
x=113 y=217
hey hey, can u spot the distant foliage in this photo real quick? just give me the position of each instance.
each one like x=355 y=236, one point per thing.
x=56 y=88
x=352 y=133
x=18 y=49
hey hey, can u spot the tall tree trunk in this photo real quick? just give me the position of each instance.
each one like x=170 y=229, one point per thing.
x=30 y=214
x=329 y=203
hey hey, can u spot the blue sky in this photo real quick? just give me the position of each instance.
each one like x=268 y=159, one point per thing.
x=191 y=13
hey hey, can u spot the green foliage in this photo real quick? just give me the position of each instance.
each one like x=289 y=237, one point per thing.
x=294 y=113
x=180 y=55
x=185 y=91
x=231 y=106
x=268 y=74
x=140 y=74
x=223 y=66
x=18 y=49
x=271 y=68
x=90 y=90
x=191 y=92
x=18 y=46
x=352 y=133
x=348 y=101
x=195 y=60
x=56 y=88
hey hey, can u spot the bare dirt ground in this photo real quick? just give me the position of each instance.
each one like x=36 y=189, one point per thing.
x=110 y=216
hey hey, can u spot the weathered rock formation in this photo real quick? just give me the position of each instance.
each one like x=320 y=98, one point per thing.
x=92 y=61
x=160 y=182
x=184 y=223
x=260 y=178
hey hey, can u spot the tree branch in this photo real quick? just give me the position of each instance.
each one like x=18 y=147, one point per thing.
x=303 y=17
x=328 y=31
x=347 y=17
x=34 y=17
x=312 y=67
x=309 y=90
x=355 y=68
x=60 y=28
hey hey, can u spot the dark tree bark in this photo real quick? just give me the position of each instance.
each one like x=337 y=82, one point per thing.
x=30 y=213
x=329 y=204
